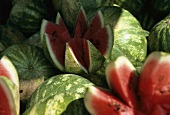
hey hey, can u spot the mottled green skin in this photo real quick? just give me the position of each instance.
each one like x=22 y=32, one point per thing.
x=70 y=9
x=158 y=39
x=76 y=107
x=34 y=40
x=129 y=37
x=29 y=61
x=10 y=36
x=26 y=15
x=133 y=6
x=54 y=95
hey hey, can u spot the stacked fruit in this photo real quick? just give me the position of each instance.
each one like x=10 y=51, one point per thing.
x=81 y=57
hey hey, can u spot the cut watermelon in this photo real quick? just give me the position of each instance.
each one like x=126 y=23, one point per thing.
x=7 y=69
x=122 y=78
x=9 y=99
x=79 y=55
x=100 y=101
x=154 y=84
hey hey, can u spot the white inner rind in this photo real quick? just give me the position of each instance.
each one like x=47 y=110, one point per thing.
x=11 y=70
x=53 y=57
x=9 y=96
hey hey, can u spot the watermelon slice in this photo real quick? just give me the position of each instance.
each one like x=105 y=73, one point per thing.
x=154 y=83
x=99 y=101
x=122 y=78
x=9 y=99
x=7 y=69
x=79 y=52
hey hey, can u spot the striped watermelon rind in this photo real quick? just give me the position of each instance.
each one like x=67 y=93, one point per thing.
x=54 y=95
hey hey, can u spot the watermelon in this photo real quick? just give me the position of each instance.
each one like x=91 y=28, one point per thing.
x=133 y=6
x=69 y=9
x=83 y=52
x=129 y=37
x=9 y=97
x=34 y=40
x=10 y=36
x=154 y=82
x=26 y=15
x=99 y=101
x=158 y=36
x=29 y=61
x=8 y=69
x=56 y=93
x=122 y=78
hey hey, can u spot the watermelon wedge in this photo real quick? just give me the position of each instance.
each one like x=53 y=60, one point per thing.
x=100 y=101
x=76 y=52
x=122 y=78
x=154 y=83
x=9 y=99
x=7 y=69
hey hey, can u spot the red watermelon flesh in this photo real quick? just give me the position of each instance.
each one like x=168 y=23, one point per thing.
x=122 y=78
x=97 y=23
x=154 y=83
x=57 y=36
x=80 y=50
x=60 y=21
x=81 y=25
x=100 y=101
x=7 y=105
x=7 y=69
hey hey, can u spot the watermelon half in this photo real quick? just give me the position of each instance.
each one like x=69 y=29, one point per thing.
x=83 y=43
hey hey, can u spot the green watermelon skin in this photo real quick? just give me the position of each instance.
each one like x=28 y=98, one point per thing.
x=56 y=93
x=27 y=15
x=158 y=39
x=10 y=36
x=70 y=9
x=129 y=37
x=30 y=61
x=133 y=6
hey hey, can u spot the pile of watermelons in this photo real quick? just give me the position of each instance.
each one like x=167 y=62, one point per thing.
x=82 y=57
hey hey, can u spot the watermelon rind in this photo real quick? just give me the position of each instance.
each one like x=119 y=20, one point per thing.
x=96 y=58
x=54 y=95
x=29 y=61
x=72 y=65
x=12 y=94
x=51 y=53
x=10 y=68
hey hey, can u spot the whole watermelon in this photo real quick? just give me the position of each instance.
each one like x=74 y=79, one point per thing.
x=69 y=9
x=129 y=37
x=26 y=15
x=158 y=39
x=133 y=6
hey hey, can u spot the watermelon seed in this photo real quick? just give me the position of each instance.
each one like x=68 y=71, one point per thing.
x=20 y=91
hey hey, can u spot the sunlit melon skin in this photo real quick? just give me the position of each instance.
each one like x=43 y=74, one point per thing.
x=122 y=78
x=154 y=82
x=129 y=37
x=100 y=101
